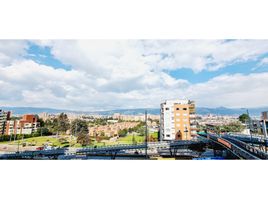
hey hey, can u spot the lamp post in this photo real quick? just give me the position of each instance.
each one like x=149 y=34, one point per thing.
x=249 y=125
x=146 y=135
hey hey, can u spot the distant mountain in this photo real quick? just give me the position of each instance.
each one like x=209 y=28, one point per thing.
x=230 y=111
x=29 y=110
x=139 y=111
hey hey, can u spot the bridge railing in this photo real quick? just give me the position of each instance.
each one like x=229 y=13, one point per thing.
x=248 y=147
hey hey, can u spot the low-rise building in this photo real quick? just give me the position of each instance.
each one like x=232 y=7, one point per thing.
x=27 y=125
x=111 y=130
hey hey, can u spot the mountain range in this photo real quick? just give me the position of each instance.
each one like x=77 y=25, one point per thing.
x=155 y=111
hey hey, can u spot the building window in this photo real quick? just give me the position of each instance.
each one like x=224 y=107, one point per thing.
x=167 y=135
x=167 y=108
x=177 y=108
x=184 y=108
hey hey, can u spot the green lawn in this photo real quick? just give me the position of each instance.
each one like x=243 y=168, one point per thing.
x=40 y=141
x=62 y=141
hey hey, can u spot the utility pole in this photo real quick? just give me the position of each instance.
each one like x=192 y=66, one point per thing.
x=146 y=135
x=249 y=125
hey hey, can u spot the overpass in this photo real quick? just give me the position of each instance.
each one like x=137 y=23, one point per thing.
x=112 y=151
x=240 y=145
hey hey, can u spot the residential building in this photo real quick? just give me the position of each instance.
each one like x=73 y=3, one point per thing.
x=4 y=117
x=177 y=120
x=28 y=124
x=12 y=127
x=111 y=130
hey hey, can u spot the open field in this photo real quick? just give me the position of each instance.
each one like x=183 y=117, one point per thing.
x=66 y=141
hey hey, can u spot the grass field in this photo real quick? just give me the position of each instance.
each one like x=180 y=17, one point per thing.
x=62 y=141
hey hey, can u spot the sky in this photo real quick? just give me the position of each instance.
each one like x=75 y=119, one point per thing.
x=90 y=75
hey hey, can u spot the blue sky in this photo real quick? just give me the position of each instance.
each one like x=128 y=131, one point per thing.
x=43 y=55
x=245 y=68
x=113 y=74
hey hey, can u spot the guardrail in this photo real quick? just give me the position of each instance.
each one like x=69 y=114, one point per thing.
x=236 y=146
x=248 y=147
x=102 y=149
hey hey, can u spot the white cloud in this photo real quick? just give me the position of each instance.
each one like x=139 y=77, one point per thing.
x=131 y=58
x=232 y=91
x=27 y=83
x=129 y=74
x=264 y=61
x=11 y=50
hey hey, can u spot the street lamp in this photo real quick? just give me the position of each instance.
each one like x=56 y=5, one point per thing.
x=186 y=131
x=146 y=134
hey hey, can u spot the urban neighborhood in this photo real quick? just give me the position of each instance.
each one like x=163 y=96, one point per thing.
x=177 y=122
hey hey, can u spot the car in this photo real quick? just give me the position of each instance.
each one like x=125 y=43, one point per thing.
x=48 y=148
x=40 y=148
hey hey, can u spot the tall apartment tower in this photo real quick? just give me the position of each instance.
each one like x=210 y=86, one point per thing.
x=4 y=116
x=177 y=120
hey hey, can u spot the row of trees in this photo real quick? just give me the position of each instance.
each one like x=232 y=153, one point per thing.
x=61 y=124
x=231 y=127
x=58 y=125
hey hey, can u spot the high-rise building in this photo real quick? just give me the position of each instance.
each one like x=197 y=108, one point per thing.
x=4 y=116
x=177 y=120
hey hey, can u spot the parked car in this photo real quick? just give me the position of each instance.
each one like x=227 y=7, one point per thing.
x=40 y=148
x=48 y=148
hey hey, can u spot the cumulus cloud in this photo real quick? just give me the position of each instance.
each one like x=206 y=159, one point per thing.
x=264 y=61
x=235 y=90
x=107 y=74
x=11 y=50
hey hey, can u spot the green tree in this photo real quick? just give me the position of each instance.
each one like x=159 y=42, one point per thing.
x=79 y=128
x=43 y=131
x=63 y=123
x=41 y=121
x=83 y=139
x=244 y=118
x=134 y=139
x=123 y=132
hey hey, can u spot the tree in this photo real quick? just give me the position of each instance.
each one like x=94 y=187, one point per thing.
x=83 y=139
x=79 y=128
x=123 y=132
x=63 y=123
x=244 y=118
x=133 y=139
x=41 y=121
x=43 y=131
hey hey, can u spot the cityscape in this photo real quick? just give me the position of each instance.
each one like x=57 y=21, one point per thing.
x=133 y=99
x=177 y=133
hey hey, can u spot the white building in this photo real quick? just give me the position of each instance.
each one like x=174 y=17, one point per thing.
x=176 y=120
